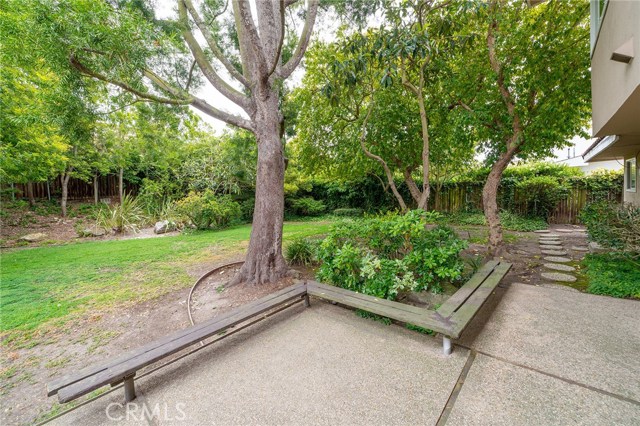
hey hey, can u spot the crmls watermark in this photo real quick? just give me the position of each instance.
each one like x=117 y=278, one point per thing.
x=138 y=412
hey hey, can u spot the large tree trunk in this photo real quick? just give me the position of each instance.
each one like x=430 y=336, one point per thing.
x=490 y=202
x=264 y=261
x=96 y=189
x=65 y=193
x=121 y=183
x=30 y=196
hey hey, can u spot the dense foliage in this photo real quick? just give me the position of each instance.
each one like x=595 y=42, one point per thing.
x=208 y=210
x=385 y=255
x=615 y=226
x=611 y=275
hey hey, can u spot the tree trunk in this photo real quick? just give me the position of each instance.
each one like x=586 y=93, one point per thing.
x=32 y=200
x=65 y=193
x=490 y=202
x=96 y=189
x=264 y=261
x=48 y=191
x=121 y=183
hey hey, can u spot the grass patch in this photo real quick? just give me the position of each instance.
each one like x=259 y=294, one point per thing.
x=45 y=283
x=612 y=275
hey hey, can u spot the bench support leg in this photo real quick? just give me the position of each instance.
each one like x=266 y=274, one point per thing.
x=129 y=389
x=446 y=345
x=306 y=301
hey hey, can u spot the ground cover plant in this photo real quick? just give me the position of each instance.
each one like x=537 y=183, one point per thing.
x=384 y=255
x=612 y=275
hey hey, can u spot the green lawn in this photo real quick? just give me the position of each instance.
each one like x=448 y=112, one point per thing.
x=41 y=284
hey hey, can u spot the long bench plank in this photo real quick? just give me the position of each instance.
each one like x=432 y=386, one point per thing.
x=459 y=297
x=463 y=316
x=397 y=311
x=72 y=386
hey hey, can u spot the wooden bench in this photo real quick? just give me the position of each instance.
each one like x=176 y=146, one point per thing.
x=124 y=368
x=449 y=320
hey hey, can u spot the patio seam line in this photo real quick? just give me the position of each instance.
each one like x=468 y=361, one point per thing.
x=446 y=411
x=571 y=382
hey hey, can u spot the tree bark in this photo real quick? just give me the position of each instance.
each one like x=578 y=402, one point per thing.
x=96 y=189
x=30 y=196
x=121 y=183
x=65 y=193
x=490 y=202
x=264 y=261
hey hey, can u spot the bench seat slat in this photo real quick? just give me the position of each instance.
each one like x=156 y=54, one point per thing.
x=464 y=292
x=463 y=316
x=397 y=311
x=71 y=384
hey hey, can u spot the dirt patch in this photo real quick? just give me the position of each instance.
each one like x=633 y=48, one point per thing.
x=17 y=222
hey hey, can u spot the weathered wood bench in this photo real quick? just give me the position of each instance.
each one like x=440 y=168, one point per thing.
x=449 y=320
x=124 y=368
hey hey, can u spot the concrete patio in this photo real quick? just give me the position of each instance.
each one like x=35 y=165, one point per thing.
x=534 y=355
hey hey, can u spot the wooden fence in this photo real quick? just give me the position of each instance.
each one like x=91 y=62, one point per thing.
x=469 y=197
x=78 y=189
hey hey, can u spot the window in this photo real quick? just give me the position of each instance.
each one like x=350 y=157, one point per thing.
x=630 y=175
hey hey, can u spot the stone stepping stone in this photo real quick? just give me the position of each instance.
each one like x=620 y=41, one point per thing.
x=576 y=248
x=558 y=276
x=557 y=259
x=545 y=247
x=554 y=252
x=550 y=236
x=564 y=230
x=541 y=231
x=550 y=242
x=559 y=267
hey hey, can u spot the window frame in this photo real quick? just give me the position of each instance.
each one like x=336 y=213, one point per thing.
x=630 y=164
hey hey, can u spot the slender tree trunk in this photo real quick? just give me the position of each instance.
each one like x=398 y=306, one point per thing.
x=13 y=192
x=490 y=202
x=32 y=199
x=48 y=191
x=264 y=261
x=96 y=189
x=65 y=193
x=121 y=183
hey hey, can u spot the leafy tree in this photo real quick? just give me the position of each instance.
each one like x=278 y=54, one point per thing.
x=244 y=57
x=525 y=84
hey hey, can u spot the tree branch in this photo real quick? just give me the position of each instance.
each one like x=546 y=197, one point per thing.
x=286 y=69
x=198 y=54
x=83 y=69
x=211 y=42
x=245 y=20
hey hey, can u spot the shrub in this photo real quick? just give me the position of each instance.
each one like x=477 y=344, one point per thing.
x=384 y=255
x=126 y=216
x=348 y=212
x=612 y=275
x=614 y=225
x=307 y=206
x=246 y=208
x=541 y=194
x=209 y=210
x=510 y=221
x=302 y=251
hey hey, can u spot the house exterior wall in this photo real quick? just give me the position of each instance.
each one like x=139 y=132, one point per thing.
x=615 y=85
x=630 y=196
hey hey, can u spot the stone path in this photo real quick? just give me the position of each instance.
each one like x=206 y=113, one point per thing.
x=551 y=245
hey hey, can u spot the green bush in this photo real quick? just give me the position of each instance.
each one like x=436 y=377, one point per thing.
x=126 y=216
x=616 y=226
x=246 y=208
x=612 y=275
x=307 y=206
x=354 y=212
x=384 y=255
x=302 y=251
x=208 y=210
x=541 y=194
